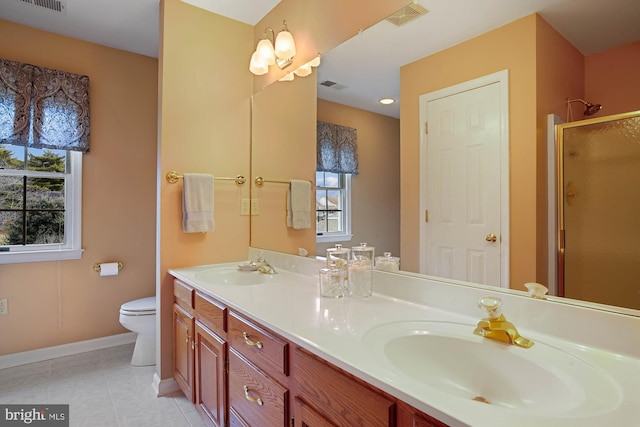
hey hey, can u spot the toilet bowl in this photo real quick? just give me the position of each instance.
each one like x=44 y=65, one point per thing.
x=140 y=316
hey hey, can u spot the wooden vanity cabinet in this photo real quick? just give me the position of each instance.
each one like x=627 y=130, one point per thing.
x=258 y=375
x=183 y=338
x=240 y=374
x=326 y=395
x=411 y=417
x=210 y=381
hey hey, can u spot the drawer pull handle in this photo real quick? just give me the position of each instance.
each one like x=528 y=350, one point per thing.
x=248 y=341
x=251 y=398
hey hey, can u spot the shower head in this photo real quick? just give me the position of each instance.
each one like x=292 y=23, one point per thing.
x=590 y=108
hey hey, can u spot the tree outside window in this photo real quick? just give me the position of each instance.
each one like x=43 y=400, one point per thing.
x=32 y=196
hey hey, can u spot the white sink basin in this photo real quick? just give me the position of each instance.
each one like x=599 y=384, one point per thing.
x=231 y=276
x=448 y=358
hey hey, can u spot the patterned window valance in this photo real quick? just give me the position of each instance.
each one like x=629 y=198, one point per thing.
x=43 y=108
x=337 y=149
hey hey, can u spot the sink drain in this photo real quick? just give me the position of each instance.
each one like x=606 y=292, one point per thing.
x=481 y=399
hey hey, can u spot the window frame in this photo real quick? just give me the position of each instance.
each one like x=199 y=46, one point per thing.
x=346 y=234
x=72 y=246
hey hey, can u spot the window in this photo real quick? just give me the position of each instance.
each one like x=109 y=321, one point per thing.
x=44 y=129
x=333 y=206
x=40 y=196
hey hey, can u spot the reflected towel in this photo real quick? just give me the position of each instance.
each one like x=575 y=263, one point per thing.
x=197 y=203
x=299 y=204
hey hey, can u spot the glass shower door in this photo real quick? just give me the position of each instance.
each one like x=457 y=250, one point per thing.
x=599 y=210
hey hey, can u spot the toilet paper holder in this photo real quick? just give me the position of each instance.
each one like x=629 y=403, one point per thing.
x=96 y=266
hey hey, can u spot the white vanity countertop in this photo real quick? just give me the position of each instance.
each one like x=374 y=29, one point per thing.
x=289 y=304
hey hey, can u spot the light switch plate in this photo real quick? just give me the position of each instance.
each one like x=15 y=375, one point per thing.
x=255 y=206
x=4 y=309
x=245 y=206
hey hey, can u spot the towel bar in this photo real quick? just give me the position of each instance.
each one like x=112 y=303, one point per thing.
x=259 y=181
x=173 y=177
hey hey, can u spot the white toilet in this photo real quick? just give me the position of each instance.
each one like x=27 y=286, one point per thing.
x=140 y=316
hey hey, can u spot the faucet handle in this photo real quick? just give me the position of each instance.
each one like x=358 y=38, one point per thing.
x=536 y=290
x=492 y=305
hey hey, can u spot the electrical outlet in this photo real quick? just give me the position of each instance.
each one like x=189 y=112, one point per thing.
x=255 y=206
x=245 y=206
x=4 y=308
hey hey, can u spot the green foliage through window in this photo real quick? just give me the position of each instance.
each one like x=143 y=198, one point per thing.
x=32 y=199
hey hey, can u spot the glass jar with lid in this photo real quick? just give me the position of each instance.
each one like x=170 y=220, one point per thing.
x=338 y=257
x=369 y=252
x=387 y=262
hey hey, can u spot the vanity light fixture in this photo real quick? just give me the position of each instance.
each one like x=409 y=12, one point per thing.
x=386 y=101
x=302 y=71
x=266 y=55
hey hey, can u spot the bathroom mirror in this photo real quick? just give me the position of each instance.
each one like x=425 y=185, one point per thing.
x=276 y=243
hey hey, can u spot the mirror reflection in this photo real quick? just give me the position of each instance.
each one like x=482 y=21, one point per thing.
x=385 y=195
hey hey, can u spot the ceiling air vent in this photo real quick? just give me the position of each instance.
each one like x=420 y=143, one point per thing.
x=55 y=5
x=407 y=14
x=332 y=85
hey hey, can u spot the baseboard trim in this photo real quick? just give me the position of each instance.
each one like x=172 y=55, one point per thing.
x=41 y=354
x=164 y=387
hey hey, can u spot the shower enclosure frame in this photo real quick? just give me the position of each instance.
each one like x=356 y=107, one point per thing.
x=560 y=187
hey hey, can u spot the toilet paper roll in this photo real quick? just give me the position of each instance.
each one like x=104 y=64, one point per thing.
x=109 y=269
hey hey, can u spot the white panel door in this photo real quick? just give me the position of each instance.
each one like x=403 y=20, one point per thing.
x=463 y=186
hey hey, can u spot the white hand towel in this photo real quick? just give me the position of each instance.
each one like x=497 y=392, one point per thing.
x=197 y=203
x=299 y=204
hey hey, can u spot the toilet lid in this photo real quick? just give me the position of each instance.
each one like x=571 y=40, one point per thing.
x=140 y=306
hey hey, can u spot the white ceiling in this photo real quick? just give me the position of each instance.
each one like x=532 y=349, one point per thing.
x=374 y=56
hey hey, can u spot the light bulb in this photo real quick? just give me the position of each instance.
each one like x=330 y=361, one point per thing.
x=304 y=70
x=315 y=61
x=265 y=52
x=256 y=66
x=287 y=77
x=285 y=46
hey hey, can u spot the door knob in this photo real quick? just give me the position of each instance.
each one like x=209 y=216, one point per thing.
x=491 y=237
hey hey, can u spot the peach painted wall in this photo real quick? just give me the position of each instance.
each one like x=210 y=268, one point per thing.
x=375 y=200
x=205 y=90
x=53 y=303
x=511 y=47
x=560 y=76
x=318 y=26
x=611 y=79
x=283 y=148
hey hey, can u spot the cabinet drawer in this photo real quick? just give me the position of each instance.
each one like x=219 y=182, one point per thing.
x=258 y=400
x=211 y=313
x=339 y=397
x=183 y=294
x=264 y=349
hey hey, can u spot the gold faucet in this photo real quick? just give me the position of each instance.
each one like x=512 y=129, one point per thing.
x=263 y=266
x=496 y=327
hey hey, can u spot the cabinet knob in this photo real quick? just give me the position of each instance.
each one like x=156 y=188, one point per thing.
x=248 y=341
x=251 y=398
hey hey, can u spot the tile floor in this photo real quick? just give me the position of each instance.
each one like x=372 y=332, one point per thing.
x=101 y=388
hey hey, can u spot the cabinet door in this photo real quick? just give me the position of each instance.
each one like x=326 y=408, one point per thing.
x=306 y=417
x=210 y=382
x=183 y=350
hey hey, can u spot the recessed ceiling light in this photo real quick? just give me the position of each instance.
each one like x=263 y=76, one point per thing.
x=386 y=101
